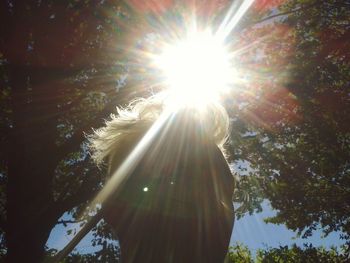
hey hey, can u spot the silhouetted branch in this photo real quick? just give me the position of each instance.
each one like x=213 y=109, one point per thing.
x=286 y=13
x=79 y=135
x=65 y=222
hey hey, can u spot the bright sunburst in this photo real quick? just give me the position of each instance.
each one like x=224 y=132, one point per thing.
x=196 y=69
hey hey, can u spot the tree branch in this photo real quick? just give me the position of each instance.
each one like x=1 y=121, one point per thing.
x=78 y=137
x=77 y=199
x=286 y=13
x=65 y=222
x=83 y=194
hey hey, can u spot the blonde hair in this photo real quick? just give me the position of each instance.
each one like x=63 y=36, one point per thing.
x=120 y=134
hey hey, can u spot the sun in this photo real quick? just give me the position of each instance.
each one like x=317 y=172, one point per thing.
x=196 y=69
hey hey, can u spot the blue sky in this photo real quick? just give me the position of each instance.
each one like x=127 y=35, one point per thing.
x=251 y=230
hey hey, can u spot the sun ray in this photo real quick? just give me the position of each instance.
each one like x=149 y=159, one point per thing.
x=124 y=170
x=225 y=30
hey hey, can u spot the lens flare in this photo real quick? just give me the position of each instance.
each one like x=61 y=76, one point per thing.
x=196 y=69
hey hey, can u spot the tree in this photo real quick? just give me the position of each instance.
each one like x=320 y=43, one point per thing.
x=295 y=132
x=239 y=253
x=58 y=80
x=307 y=254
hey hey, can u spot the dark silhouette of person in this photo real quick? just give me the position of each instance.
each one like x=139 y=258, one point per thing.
x=176 y=205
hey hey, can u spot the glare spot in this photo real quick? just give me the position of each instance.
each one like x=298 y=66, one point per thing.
x=196 y=69
x=145 y=189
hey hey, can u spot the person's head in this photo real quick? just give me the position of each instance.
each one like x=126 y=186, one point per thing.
x=124 y=130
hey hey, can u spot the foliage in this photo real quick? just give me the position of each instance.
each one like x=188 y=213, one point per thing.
x=297 y=254
x=239 y=253
x=61 y=73
x=295 y=133
x=294 y=254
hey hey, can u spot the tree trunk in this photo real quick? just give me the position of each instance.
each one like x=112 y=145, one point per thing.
x=30 y=213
